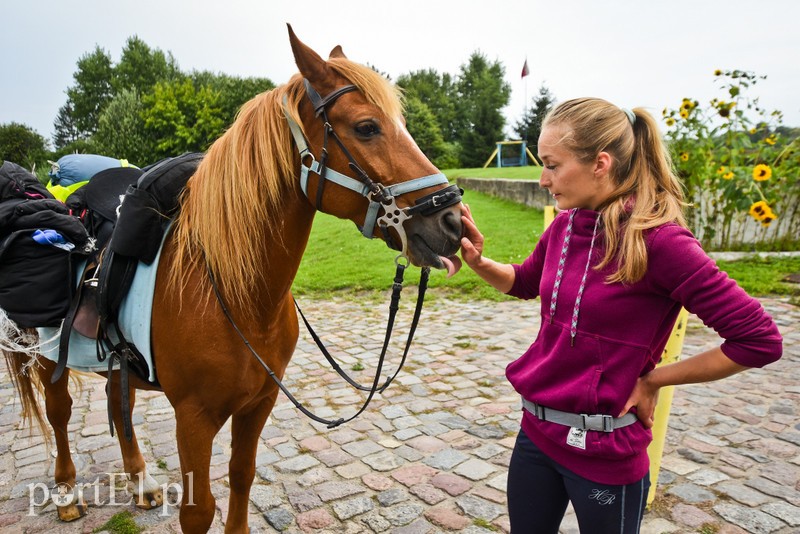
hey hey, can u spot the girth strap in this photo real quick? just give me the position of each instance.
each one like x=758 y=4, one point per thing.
x=69 y=320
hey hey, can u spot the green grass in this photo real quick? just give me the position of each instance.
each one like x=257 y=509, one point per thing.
x=764 y=276
x=121 y=523
x=339 y=261
x=515 y=173
x=338 y=258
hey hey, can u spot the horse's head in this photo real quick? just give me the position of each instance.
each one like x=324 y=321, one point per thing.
x=359 y=162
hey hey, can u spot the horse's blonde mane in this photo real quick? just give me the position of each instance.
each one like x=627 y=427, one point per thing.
x=231 y=208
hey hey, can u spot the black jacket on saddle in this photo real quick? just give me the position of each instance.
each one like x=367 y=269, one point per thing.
x=36 y=279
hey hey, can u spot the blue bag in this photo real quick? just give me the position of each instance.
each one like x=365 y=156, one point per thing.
x=74 y=168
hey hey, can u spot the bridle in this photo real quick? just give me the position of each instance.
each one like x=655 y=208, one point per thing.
x=393 y=217
x=379 y=195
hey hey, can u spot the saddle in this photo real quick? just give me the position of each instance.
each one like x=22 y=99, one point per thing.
x=127 y=211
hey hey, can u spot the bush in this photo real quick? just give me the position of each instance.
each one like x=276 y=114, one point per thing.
x=20 y=144
x=741 y=173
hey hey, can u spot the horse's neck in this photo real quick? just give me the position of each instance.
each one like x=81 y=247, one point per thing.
x=285 y=250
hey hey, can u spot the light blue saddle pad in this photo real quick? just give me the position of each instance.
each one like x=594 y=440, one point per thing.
x=135 y=314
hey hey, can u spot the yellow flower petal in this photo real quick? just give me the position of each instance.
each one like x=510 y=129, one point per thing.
x=762 y=172
x=759 y=209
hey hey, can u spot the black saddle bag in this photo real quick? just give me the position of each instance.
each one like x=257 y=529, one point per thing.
x=37 y=281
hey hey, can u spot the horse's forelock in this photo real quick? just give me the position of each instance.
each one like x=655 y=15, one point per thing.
x=379 y=91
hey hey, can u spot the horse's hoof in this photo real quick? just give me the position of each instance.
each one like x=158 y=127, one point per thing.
x=72 y=511
x=149 y=500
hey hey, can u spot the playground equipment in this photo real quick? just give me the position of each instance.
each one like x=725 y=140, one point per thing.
x=511 y=154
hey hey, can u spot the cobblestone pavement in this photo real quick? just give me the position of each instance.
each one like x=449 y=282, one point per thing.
x=430 y=455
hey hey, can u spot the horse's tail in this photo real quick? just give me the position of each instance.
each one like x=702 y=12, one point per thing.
x=20 y=346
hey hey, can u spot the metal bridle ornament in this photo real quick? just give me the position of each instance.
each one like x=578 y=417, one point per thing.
x=393 y=217
x=379 y=195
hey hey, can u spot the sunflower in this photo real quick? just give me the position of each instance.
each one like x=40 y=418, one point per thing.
x=762 y=172
x=753 y=130
x=684 y=114
x=717 y=72
x=759 y=210
x=684 y=156
x=768 y=218
x=725 y=108
x=762 y=213
x=771 y=139
x=725 y=173
x=670 y=122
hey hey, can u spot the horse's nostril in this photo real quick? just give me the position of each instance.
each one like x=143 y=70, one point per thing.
x=451 y=224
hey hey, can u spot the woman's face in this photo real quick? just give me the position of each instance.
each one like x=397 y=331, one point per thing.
x=572 y=183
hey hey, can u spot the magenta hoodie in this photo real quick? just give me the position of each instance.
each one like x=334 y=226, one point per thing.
x=622 y=330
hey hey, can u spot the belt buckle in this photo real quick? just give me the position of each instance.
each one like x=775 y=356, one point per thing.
x=598 y=423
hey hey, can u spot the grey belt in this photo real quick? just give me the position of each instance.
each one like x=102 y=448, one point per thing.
x=598 y=423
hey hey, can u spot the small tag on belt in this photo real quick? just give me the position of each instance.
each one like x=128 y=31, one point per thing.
x=577 y=438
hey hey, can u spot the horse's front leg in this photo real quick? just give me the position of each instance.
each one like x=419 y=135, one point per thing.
x=246 y=426
x=195 y=430
x=146 y=491
x=58 y=407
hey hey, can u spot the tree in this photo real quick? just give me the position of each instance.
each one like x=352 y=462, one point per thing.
x=482 y=94
x=425 y=130
x=180 y=118
x=22 y=145
x=530 y=126
x=121 y=131
x=141 y=67
x=437 y=92
x=66 y=131
x=233 y=90
x=92 y=90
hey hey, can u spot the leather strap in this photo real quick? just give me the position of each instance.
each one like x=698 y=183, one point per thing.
x=66 y=326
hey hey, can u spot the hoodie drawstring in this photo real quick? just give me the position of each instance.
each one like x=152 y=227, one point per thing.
x=573 y=330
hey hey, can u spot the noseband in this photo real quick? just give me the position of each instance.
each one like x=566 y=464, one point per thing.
x=379 y=195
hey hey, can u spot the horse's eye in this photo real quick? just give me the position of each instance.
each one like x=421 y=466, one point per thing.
x=367 y=129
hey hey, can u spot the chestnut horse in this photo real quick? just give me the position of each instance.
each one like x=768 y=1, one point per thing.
x=245 y=219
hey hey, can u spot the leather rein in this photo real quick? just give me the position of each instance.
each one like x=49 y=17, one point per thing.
x=379 y=196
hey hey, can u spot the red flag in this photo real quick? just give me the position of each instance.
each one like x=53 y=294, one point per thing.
x=525 y=71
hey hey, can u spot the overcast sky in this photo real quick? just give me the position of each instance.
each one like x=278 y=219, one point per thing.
x=632 y=52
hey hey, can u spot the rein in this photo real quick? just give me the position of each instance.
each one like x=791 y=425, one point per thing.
x=394 y=306
x=379 y=196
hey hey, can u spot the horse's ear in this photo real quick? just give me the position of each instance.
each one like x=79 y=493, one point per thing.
x=337 y=52
x=311 y=65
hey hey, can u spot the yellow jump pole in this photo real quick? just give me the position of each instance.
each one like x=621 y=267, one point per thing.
x=488 y=161
x=549 y=215
x=672 y=353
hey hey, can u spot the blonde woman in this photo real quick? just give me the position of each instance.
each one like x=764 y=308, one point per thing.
x=612 y=272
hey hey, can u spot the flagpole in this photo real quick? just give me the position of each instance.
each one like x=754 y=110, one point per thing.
x=525 y=73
